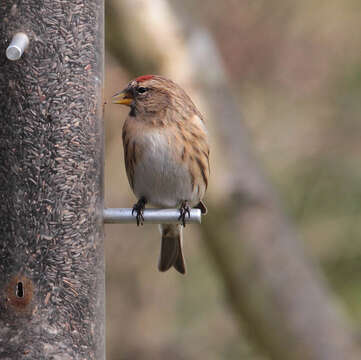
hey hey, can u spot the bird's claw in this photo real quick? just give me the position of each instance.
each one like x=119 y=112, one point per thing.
x=184 y=210
x=138 y=209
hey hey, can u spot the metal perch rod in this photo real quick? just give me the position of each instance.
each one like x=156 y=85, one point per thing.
x=151 y=216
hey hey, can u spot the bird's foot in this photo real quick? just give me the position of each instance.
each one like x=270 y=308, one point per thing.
x=138 y=208
x=184 y=210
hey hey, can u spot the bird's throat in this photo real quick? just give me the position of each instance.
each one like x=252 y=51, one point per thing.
x=132 y=111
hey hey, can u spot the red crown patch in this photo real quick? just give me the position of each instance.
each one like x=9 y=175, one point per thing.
x=144 y=77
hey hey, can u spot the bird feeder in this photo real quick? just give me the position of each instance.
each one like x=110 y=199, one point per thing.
x=51 y=180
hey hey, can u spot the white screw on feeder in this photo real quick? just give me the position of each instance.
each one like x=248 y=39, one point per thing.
x=17 y=46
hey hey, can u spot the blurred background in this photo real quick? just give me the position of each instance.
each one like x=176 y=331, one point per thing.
x=290 y=74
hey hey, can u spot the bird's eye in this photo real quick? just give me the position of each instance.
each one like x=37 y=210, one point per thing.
x=141 y=89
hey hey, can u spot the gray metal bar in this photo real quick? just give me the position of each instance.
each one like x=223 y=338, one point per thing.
x=151 y=216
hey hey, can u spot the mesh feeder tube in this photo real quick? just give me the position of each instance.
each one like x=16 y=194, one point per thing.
x=51 y=187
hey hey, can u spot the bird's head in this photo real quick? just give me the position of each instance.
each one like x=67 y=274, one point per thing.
x=151 y=95
x=146 y=95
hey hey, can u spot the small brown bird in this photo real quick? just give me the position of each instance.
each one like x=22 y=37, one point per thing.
x=166 y=155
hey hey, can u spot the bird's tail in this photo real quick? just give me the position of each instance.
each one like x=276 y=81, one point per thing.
x=171 y=253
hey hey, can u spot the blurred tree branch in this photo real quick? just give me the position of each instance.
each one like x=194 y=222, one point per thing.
x=271 y=282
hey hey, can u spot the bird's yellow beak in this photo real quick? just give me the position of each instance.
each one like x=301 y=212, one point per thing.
x=123 y=98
